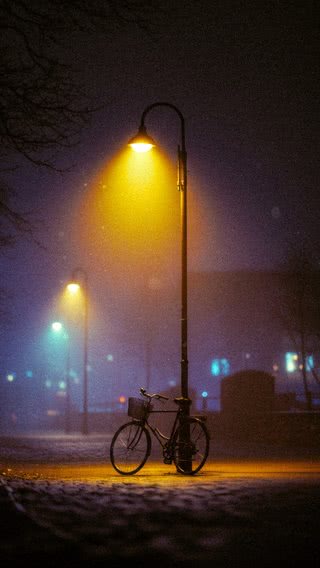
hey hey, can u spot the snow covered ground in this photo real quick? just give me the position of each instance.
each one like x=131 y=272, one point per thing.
x=217 y=519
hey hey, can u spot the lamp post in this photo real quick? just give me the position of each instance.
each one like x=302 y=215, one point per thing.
x=142 y=142
x=59 y=329
x=68 y=397
x=79 y=274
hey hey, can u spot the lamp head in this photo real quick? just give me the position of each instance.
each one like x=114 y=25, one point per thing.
x=141 y=142
x=73 y=287
x=56 y=326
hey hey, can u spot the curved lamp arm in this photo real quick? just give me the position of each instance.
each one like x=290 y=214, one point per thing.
x=179 y=113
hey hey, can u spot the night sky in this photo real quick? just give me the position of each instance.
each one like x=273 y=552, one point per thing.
x=245 y=75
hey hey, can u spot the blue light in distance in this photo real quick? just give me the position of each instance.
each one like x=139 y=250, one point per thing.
x=220 y=367
x=291 y=362
x=57 y=326
x=215 y=368
x=309 y=363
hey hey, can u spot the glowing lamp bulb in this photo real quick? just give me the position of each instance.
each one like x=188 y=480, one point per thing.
x=73 y=287
x=141 y=147
x=142 y=142
x=56 y=326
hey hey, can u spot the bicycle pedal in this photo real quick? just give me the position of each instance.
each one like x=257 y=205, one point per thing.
x=167 y=460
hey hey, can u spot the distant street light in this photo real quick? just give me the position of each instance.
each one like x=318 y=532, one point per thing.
x=79 y=280
x=57 y=326
x=142 y=142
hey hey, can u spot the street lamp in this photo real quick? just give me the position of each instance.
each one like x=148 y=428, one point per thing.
x=142 y=142
x=80 y=275
x=59 y=329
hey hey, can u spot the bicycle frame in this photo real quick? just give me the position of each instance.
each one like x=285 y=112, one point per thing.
x=162 y=438
x=131 y=444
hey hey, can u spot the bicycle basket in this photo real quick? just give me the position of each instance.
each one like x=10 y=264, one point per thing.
x=138 y=408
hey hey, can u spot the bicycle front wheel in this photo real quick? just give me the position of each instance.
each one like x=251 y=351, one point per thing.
x=191 y=446
x=130 y=448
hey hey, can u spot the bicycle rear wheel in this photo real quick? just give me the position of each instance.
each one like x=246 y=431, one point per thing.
x=130 y=448
x=189 y=457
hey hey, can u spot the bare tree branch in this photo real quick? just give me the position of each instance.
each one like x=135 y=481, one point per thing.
x=43 y=104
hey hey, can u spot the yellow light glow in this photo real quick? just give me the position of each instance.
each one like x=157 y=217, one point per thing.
x=127 y=222
x=53 y=412
x=73 y=287
x=71 y=303
x=224 y=471
x=130 y=218
x=141 y=147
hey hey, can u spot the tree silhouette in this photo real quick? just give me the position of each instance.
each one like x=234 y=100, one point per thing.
x=43 y=105
x=299 y=309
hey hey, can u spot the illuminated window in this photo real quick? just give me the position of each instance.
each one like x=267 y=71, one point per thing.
x=225 y=367
x=291 y=362
x=11 y=377
x=220 y=367
x=215 y=368
x=53 y=412
x=309 y=363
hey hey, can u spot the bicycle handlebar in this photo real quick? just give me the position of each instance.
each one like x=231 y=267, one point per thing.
x=157 y=396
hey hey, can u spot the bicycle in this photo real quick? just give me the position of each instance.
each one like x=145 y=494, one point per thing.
x=187 y=445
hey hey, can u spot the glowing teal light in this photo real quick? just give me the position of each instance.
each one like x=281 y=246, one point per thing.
x=56 y=326
x=291 y=362
x=220 y=367
x=215 y=368
x=225 y=366
x=29 y=374
x=204 y=394
x=309 y=363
